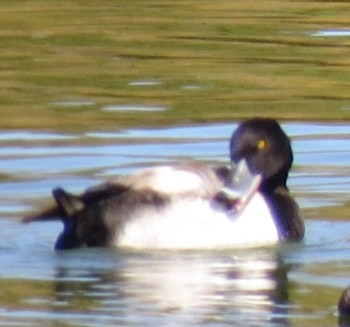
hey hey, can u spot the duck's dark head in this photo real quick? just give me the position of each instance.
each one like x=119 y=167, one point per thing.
x=266 y=149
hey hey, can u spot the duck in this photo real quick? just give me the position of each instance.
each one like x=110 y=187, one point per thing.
x=344 y=303
x=190 y=205
x=344 y=308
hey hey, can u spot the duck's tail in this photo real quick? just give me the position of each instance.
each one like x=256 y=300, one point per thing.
x=66 y=205
x=51 y=213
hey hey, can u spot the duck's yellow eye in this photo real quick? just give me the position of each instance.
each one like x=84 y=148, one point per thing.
x=261 y=144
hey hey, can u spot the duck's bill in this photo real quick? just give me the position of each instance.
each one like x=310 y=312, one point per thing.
x=241 y=187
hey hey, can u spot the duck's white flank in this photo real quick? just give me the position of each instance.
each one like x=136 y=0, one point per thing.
x=194 y=223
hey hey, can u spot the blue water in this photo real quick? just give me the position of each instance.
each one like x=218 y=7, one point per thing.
x=289 y=285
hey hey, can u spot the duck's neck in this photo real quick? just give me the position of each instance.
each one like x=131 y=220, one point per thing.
x=284 y=209
x=269 y=185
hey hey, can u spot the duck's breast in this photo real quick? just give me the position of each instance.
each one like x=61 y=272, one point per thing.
x=194 y=223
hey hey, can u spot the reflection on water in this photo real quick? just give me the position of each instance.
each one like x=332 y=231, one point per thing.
x=176 y=289
x=71 y=104
x=332 y=33
x=279 y=286
x=189 y=288
x=134 y=107
x=145 y=83
x=198 y=59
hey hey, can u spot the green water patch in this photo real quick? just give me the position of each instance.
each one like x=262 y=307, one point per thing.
x=272 y=58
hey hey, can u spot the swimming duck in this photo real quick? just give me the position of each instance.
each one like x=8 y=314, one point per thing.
x=190 y=206
x=344 y=308
x=344 y=303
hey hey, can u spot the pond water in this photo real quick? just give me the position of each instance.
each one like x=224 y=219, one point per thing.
x=96 y=66
x=289 y=285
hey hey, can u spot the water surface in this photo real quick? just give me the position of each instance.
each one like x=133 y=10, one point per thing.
x=105 y=68
x=289 y=285
x=63 y=63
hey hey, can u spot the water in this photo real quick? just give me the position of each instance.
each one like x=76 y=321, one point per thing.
x=107 y=65
x=290 y=285
x=116 y=64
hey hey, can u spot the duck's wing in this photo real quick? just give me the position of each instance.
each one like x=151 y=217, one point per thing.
x=171 y=181
x=180 y=180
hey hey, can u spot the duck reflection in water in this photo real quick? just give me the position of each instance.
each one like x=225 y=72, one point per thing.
x=180 y=288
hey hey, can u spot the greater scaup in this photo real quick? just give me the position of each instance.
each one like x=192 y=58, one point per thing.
x=344 y=303
x=344 y=308
x=190 y=206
